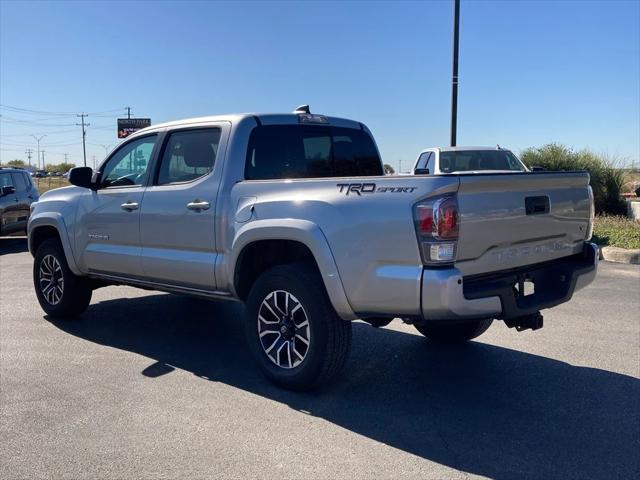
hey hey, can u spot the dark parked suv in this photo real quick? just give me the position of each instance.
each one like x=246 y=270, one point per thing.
x=17 y=193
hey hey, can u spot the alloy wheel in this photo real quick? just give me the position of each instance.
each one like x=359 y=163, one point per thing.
x=51 y=279
x=283 y=328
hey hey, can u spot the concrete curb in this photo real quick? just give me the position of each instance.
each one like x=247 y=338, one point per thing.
x=620 y=255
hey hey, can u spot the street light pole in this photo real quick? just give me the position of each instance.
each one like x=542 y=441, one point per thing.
x=454 y=77
x=106 y=148
x=38 y=141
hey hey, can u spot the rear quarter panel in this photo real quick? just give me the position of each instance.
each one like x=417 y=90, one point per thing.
x=371 y=235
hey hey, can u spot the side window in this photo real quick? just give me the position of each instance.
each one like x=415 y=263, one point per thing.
x=188 y=155
x=427 y=160
x=6 y=180
x=19 y=182
x=27 y=179
x=431 y=163
x=423 y=161
x=129 y=165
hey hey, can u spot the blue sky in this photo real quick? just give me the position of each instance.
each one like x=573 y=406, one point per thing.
x=530 y=72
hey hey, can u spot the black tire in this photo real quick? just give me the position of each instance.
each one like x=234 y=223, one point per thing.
x=73 y=297
x=329 y=337
x=448 y=332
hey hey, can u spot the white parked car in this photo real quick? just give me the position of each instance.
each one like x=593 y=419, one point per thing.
x=444 y=160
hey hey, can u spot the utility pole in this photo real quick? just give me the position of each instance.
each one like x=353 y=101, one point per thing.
x=84 y=135
x=94 y=162
x=128 y=112
x=43 y=159
x=65 y=157
x=38 y=140
x=28 y=152
x=399 y=166
x=454 y=77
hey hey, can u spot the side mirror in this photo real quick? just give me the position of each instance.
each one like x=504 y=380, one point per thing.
x=537 y=169
x=81 y=177
x=421 y=171
x=7 y=190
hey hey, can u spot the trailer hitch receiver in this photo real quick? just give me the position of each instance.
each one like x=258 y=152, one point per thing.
x=533 y=321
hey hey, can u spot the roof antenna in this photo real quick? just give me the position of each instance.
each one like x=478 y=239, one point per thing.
x=302 y=109
x=498 y=147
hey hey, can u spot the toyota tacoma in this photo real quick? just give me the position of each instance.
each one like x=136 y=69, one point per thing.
x=292 y=215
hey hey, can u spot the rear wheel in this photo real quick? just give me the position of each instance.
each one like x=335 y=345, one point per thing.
x=448 y=332
x=61 y=293
x=295 y=335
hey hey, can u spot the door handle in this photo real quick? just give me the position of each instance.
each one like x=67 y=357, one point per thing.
x=129 y=206
x=198 y=205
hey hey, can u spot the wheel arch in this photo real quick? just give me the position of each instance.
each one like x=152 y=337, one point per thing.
x=51 y=225
x=265 y=243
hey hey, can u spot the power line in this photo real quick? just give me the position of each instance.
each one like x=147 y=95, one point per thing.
x=29 y=111
x=33 y=112
x=28 y=134
x=18 y=121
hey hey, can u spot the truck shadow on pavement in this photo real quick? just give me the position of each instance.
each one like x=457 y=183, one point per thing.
x=478 y=408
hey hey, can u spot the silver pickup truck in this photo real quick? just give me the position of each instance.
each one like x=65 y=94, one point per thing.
x=292 y=215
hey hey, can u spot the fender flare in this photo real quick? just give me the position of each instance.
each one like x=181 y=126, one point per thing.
x=305 y=232
x=55 y=220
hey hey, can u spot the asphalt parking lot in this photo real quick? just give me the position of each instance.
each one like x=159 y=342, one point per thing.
x=150 y=385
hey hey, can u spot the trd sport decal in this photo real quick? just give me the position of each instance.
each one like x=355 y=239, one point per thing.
x=360 y=188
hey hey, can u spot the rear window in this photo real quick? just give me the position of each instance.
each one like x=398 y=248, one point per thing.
x=474 y=160
x=310 y=151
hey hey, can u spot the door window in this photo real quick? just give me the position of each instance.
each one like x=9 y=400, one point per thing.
x=129 y=165
x=426 y=160
x=5 y=180
x=188 y=155
x=27 y=178
x=19 y=182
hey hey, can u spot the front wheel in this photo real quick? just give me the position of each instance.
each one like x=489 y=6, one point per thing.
x=61 y=293
x=448 y=332
x=295 y=335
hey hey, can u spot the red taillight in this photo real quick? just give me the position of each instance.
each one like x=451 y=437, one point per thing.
x=446 y=219
x=425 y=219
x=437 y=228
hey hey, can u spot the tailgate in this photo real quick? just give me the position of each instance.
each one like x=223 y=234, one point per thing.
x=511 y=220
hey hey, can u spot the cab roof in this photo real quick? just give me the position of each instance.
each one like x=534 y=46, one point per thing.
x=462 y=149
x=263 y=118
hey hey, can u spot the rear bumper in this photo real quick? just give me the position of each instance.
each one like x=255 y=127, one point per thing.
x=447 y=295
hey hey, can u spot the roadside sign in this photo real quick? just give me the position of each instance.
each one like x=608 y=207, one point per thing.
x=127 y=126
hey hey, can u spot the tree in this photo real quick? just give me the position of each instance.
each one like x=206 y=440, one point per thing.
x=388 y=169
x=605 y=178
x=16 y=163
x=59 y=167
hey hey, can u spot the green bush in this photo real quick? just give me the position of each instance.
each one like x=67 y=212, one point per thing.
x=606 y=181
x=616 y=231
